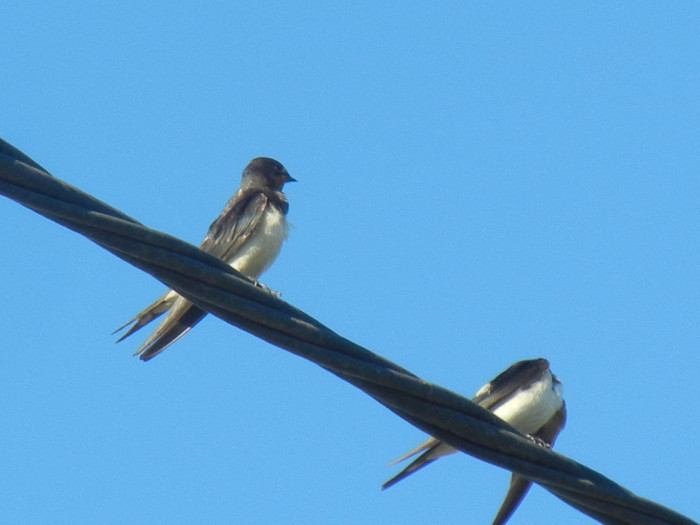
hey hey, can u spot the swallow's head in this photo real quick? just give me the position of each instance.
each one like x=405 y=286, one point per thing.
x=264 y=172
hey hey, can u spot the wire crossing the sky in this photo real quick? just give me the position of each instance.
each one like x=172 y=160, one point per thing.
x=214 y=286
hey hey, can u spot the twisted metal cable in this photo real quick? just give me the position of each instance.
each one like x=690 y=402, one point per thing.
x=214 y=286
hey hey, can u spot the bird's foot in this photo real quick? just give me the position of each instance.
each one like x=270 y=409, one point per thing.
x=539 y=442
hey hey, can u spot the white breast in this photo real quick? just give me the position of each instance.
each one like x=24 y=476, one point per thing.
x=528 y=410
x=263 y=247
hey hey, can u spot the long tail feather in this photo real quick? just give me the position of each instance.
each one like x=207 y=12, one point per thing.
x=516 y=492
x=434 y=449
x=414 y=466
x=182 y=316
x=420 y=448
x=153 y=311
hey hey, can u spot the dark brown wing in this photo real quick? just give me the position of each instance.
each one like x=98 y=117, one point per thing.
x=237 y=222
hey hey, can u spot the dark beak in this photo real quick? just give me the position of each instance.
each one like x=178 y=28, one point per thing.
x=289 y=179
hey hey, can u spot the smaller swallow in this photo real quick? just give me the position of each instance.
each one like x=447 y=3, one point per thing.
x=248 y=235
x=527 y=396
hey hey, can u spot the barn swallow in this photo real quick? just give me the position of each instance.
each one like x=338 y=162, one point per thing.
x=248 y=235
x=527 y=396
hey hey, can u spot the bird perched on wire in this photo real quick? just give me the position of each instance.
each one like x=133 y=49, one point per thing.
x=248 y=235
x=529 y=397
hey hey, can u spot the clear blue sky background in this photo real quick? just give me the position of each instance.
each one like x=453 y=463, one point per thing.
x=478 y=184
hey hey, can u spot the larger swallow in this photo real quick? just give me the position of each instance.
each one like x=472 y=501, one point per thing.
x=529 y=397
x=248 y=235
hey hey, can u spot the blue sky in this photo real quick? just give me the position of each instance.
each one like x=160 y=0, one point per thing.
x=478 y=184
